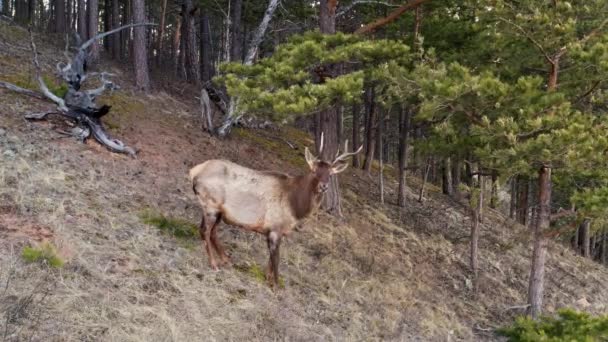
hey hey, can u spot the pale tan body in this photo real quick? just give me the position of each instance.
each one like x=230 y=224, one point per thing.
x=254 y=200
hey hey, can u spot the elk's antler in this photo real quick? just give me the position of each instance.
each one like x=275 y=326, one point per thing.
x=321 y=144
x=346 y=154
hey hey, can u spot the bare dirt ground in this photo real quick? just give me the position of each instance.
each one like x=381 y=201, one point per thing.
x=380 y=273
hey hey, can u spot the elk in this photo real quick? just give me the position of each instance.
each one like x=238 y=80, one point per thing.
x=265 y=202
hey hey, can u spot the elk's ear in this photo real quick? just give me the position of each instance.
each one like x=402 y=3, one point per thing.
x=310 y=159
x=339 y=167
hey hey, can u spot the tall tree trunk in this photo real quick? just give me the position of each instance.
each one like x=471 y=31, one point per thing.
x=513 y=201
x=404 y=134
x=93 y=24
x=586 y=238
x=370 y=104
x=474 y=251
x=6 y=8
x=189 y=40
x=604 y=255
x=522 y=201
x=258 y=35
x=125 y=37
x=60 y=25
x=356 y=129
x=68 y=16
x=107 y=23
x=425 y=177
x=380 y=144
x=236 y=44
x=161 y=34
x=206 y=59
x=446 y=171
x=537 y=272
x=456 y=178
x=82 y=20
x=31 y=11
x=177 y=39
x=576 y=240
x=115 y=38
x=140 y=60
x=494 y=190
x=331 y=201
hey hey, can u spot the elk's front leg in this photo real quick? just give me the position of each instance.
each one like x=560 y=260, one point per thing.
x=274 y=242
x=205 y=229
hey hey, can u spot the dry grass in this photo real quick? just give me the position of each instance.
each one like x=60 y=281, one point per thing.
x=382 y=273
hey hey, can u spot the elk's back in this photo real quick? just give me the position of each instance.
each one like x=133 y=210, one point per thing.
x=249 y=198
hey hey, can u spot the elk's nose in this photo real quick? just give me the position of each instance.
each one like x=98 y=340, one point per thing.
x=323 y=187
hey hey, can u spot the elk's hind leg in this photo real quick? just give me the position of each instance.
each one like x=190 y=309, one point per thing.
x=219 y=249
x=274 y=242
x=207 y=223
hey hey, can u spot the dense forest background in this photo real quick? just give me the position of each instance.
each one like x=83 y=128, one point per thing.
x=499 y=103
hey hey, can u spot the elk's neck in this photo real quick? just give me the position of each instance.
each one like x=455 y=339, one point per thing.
x=303 y=196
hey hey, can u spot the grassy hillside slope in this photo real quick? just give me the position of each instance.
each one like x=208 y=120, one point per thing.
x=381 y=273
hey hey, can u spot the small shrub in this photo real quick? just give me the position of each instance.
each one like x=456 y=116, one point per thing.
x=175 y=227
x=569 y=325
x=45 y=253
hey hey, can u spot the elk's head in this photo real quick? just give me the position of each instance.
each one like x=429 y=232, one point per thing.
x=323 y=169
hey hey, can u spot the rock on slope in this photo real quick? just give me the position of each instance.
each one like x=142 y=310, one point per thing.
x=379 y=274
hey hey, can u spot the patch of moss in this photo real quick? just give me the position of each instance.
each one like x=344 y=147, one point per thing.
x=257 y=273
x=175 y=227
x=45 y=254
x=122 y=105
x=26 y=81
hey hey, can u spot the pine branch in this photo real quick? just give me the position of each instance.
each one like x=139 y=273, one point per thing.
x=390 y=18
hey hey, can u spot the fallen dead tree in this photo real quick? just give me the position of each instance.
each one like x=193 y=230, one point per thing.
x=78 y=105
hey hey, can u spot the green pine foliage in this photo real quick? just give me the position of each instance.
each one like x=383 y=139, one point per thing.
x=567 y=326
x=310 y=72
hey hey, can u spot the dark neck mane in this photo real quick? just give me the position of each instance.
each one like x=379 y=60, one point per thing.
x=303 y=195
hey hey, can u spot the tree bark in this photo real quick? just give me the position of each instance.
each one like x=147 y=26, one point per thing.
x=177 y=38
x=236 y=44
x=31 y=11
x=356 y=129
x=576 y=240
x=258 y=35
x=115 y=39
x=189 y=40
x=125 y=37
x=537 y=272
x=107 y=24
x=404 y=133
x=586 y=238
x=456 y=178
x=140 y=60
x=82 y=20
x=327 y=24
x=6 y=7
x=473 y=258
x=379 y=143
x=92 y=25
x=370 y=94
x=494 y=191
x=513 y=200
x=522 y=201
x=394 y=15
x=446 y=172
x=161 y=34
x=604 y=255
x=425 y=178
x=206 y=59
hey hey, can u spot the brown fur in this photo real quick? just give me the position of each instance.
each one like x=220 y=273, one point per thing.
x=265 y=202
